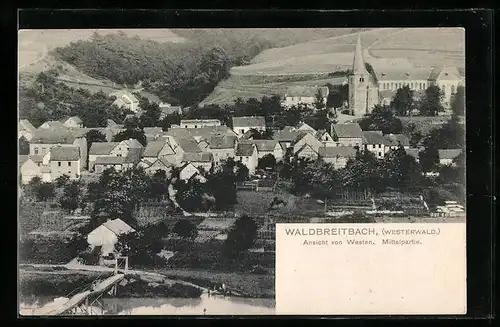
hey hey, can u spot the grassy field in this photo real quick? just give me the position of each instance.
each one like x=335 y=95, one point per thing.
x=382 y=48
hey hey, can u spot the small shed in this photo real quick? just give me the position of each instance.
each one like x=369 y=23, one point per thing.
x=106 y=235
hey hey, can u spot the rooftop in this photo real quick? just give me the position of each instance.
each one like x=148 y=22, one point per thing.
x=249 y=121
x=109 y=160
x=245 y=149
x=222 y=142
x=153 y=148
x=396 y=139
x=374 y=137
x=65 y=153
x=338 y=151
x=102 y=148
x=197 y=157
x=63 y=136
x=118 y=226
x=348 y=130
x=449 y=153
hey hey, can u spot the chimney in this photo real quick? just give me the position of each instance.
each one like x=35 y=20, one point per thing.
x=108 y=220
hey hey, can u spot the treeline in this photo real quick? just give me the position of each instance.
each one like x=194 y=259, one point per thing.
x=47 y=99
x=186 y=72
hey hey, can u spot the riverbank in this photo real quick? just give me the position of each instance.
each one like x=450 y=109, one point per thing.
x=63 y=282
x=144 y=283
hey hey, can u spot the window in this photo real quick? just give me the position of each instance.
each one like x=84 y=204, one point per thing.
x=36 y=150
x=411 y=85
x=195 y=126
x=119 y=155
x=453 y=89
x=58 y=164
x=69 y=171
x=38 y=164
x=379 y=146
x=69 y=163
x=242 y=131
x=380 y=154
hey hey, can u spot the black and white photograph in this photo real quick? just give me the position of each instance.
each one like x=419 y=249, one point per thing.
x=154 y=164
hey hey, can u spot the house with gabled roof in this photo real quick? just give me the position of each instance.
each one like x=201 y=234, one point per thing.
x=375 y=142
x=51 y=124
x=305 y=127
x=125 y=99
x=204 y=133
x=125 y=146
x=100 y=149
x=243 y=124
x=306 y=145
x=31 y=168
x=153 y=133
x=286 y=136
x=159 y=164
x=324 y=137
x=25 y=129
x=63 y=160
x=247 y=154
x=199 y=159
x=189 y=171
x=45 y=139
x=222 y=147
x=337 y=156
x=266 y=147
x=157 y=149
x=446 y=156
x=396 y=140
x=199 y=123
x=347 y=134
x=106 y=162
x=73 y=121
x=106 y=235
x=304 y=95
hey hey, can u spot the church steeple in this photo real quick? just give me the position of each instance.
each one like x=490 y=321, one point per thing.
x=358 y=67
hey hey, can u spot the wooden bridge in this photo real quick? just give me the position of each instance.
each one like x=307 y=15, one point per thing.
x=84 y=301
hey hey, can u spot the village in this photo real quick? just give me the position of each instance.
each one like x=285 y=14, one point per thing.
x=199 y=199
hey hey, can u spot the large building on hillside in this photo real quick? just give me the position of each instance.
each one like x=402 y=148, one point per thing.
x=366 y=89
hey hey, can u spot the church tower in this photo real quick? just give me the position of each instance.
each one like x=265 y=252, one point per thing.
x=359 y=83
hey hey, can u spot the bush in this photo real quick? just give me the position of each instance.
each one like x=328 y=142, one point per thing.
x=52 y=249
x=91 y=256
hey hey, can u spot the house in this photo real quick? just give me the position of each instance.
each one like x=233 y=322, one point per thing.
x=199 y=123
x=153 y=133
x=244 y=124
x=63 y=160
x=348 y=134
x=214 y=229
x=415 y=153
x=44 y=139
x=306 y=145
x=375 y=142
x=100 y=149
x=222 y=147
x=199 y=159
x=337 y=156
x=306 y=151
x=189 y=171
x=153 y=99
x=26 y=129
x=106 y=235
x=106 y=162
x=324 y=137
x=305 y=127
x=247 y=154
x=51 y=124
x=170 y=110
x=125 y=146
x=286 y=137
x=265 y=147
x=446 y=156
x=158 y=164
x=133 y=157
x=204 y=133
x=395 y=140
x=125 y=99
x=33 y=166
x=204 y=145
x=157 y=149
x=74 y=122
x=304 y=95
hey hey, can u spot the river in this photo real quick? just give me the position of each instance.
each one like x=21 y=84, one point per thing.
x=208 y=305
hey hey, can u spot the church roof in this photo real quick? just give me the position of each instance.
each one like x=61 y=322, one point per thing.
x=398 y=74
x=359 y=64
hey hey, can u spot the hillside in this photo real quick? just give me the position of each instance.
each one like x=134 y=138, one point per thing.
x=382 y=47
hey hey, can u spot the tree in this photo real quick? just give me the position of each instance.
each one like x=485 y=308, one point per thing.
x=159 y=185
x=94 y=135
x=431 y=102
x=458 y=101
x=45 y=191
x=241 y=237
x=403 y=103
x=151 y=114
x=415 y=138
x=127 y=134
x=186 y=229
x=62 y=180
x=24 y=146
x=382 y=119
x=364 y=172
x=319 y=104
x=337 y=95
x=402 y=170
x=72 y=196
x=267 y=161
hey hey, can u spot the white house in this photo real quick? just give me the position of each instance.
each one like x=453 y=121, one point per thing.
x=265 y=147
x=199 y=123
x=304 y=95
x=125 y=99
x=241 y=125
x=247 y=154
x=337 y=156
x=189 y=171
x=74 y=122
x=349 y=134
x=106 y=235
x=26 y=129
x=446 y=156
x=375 y=142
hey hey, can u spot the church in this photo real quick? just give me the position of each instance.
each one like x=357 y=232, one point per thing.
x=379 y=87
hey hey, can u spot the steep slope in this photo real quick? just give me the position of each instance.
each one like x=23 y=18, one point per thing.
x=309 y=63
